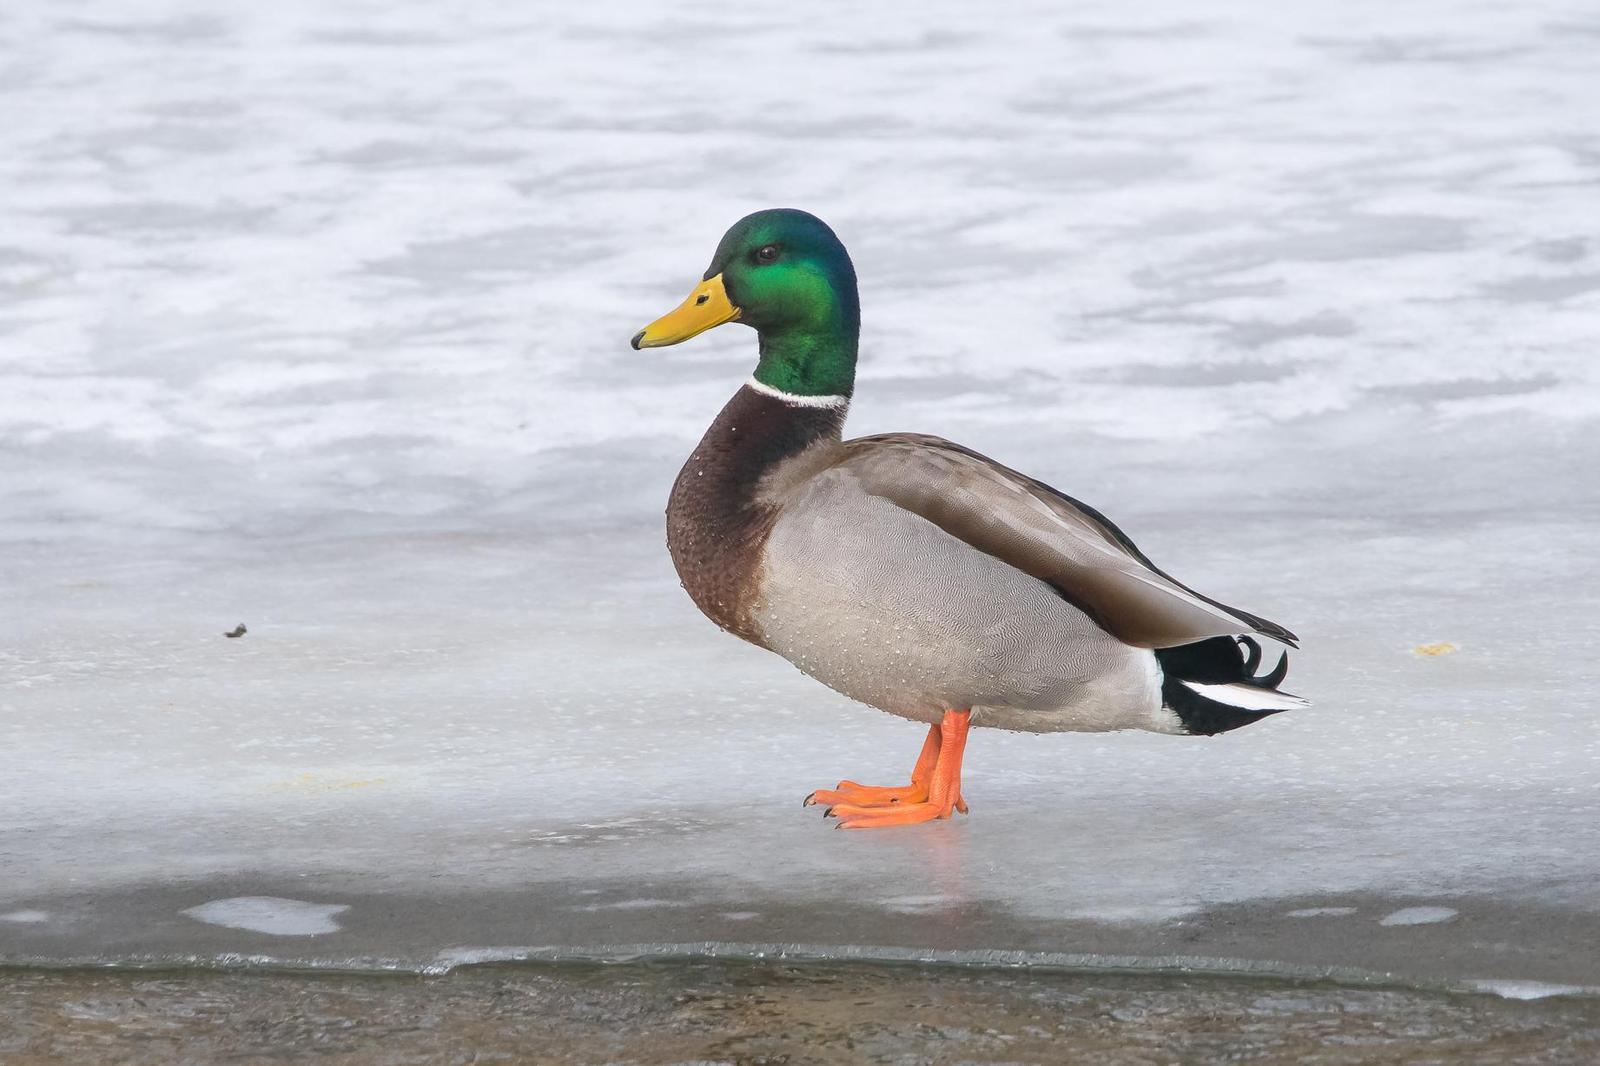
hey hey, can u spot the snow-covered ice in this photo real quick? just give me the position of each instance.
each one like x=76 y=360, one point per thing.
x=271 y=915
x=1419 y=916
x=315 y=317
x=25 y=916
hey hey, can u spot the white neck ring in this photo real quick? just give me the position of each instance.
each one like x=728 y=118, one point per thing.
x=795 y=398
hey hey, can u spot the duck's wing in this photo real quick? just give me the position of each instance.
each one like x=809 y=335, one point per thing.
x=1046 y=534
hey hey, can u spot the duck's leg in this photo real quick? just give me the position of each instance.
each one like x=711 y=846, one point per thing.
x=885 y=795
x=944 y=786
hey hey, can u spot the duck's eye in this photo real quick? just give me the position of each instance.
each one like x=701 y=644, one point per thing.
x=767 y=253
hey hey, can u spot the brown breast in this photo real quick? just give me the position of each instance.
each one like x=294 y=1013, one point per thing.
x=718 y=518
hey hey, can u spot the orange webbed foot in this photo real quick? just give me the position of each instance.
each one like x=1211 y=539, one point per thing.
x=851 y=817
x=934 y=792
x=848 y=792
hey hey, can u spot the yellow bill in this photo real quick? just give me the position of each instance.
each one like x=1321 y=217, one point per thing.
x=707 y=306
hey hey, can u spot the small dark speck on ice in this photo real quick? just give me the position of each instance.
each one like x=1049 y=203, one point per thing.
x=237 y=631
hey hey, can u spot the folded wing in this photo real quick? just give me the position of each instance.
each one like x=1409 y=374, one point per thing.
x=1046 y=534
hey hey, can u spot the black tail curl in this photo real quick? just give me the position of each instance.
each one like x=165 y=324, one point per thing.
x=1215 y=661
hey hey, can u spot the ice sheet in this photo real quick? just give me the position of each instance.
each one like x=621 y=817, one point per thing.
x=314 y=317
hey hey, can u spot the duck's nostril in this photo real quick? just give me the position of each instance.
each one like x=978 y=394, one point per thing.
x=703 y=298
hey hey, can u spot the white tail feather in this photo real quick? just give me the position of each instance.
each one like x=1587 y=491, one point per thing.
x=1248 y=697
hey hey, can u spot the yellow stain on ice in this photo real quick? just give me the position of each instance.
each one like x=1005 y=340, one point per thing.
x=309 y=782
x=1443 y=647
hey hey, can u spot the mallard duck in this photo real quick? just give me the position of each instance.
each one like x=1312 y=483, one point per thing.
x=913 y=574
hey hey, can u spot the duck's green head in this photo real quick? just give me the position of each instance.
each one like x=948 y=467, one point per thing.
x=784 y=273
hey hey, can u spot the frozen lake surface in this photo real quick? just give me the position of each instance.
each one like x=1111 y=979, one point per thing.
x=314 y=317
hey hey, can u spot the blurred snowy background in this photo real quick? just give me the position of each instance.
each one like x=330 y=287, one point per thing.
x=314 y=316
